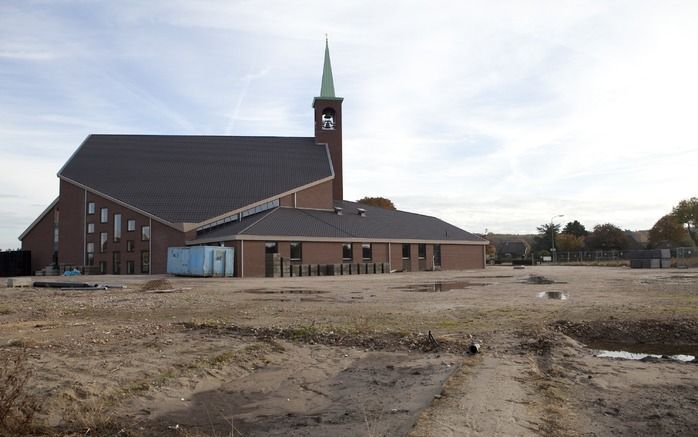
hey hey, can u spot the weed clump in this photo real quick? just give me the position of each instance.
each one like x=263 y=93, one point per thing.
x=157 y=284
x=17 y=405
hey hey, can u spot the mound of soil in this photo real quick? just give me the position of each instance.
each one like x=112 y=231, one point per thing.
x=677 y=332
x=373 y=341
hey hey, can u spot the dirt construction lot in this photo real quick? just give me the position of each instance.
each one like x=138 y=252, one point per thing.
x=351 y=356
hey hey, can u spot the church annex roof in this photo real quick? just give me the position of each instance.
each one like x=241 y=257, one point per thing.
x=377 y=224
x=188 y=179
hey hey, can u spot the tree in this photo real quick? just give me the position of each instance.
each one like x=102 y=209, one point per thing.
x=566 y=242
x=544 y=239
x=607 y=237
x=686 y=212
x=575 y=228
x=380 y=202
x=669 y=230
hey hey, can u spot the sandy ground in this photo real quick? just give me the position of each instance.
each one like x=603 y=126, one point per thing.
x=351 y=356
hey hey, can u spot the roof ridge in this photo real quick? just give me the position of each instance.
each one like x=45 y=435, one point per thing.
x=394 y=210
x=258 y=220
x=38 y=219
x=328 y=224
x=415 y=214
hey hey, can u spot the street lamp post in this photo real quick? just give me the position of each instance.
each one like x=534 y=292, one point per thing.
x=552 y=233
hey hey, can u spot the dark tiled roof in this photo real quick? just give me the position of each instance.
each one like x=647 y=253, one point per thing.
x=514 y=248
x=188 y=179
x=234 y=228
x=378 y=223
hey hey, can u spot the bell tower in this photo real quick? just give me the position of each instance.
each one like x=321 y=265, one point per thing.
x=328 y=123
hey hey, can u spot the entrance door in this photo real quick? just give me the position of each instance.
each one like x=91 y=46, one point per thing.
x=271 y=248
x=437 y=256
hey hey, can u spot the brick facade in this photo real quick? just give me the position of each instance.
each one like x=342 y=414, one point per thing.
x=40 y=241
x=253 y=259
x=333 y=139
x=71 y=234
x=80 y=230
x=316 y=197
x=454 y=257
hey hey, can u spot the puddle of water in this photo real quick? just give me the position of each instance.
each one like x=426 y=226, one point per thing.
x=643 y=349
x=539 y=280
x=289 y=291
x=639 y=356
x=486 y=276
x=559 y=295
x=440 y=286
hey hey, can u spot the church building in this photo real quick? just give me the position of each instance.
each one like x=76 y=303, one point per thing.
x=125 y=199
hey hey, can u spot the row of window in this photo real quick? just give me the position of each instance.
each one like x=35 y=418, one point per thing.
x=145 y=230
x=235 y=217
x=348 y=253
x=271 y=247
x=116 y=262
x=104 y=218
x=130 y=244
x=407 y=251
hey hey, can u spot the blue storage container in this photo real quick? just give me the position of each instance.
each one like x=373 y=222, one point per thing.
x=200 y=261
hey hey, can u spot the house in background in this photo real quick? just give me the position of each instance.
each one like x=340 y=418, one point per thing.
x=513 y=250
x=124 y=199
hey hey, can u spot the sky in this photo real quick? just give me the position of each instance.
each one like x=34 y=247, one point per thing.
x=493 y=116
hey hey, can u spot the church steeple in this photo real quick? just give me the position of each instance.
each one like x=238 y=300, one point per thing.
x=327 y=87
x=328 y=123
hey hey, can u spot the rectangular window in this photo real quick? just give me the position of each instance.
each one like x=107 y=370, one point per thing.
x=90 y=261
x=422 y=250
x=130 y=225
x=103 y=267
x=366 y=252
x=145 y=233
x=296 y=251
x=347 y=254
x=271 y=247
x=117 y=228
x=90 y=228
x=116 y=263
x=130 y=267
x=145 y=261
x=90 y=207
x=406 y=249
x=437 y=255
x=104 y=215
x=103 y=237
x=129 y=246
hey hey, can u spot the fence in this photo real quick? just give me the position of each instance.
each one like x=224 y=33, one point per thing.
x=685 y=256
x=15 y=263
x=681 y=255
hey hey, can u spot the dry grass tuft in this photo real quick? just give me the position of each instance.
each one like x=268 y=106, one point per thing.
x=157 y=284
x=93 y=418
x=17 y=405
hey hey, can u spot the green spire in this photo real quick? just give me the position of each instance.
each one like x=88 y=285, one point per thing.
x=327 y=87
